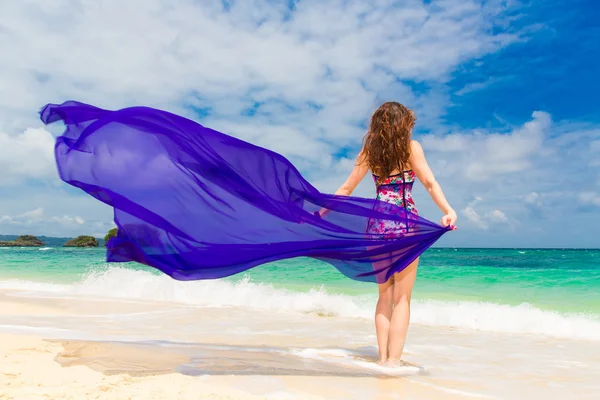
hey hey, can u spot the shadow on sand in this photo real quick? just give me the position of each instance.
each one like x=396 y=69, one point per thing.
x=194 y=359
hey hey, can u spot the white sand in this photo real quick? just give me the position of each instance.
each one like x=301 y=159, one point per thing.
x=101 y=348
x=31 y=368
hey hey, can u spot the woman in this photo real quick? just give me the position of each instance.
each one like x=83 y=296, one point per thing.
x=395 y=160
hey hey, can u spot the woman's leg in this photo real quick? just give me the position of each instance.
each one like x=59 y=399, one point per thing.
x=402 y=290
x=383 y=315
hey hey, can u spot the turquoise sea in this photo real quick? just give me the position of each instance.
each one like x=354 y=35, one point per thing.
x=539 y=291
x=485 y=323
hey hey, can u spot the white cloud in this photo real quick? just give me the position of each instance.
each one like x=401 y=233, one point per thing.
x=533 y=198
x=497 y=216
x=68 y=220
x=590 y=198
x=316 y=72
x=26 y=155
x=339 y=55
x=534 y=174
x=483 y=221
x=39 y=221
x=38 y=216
x=474 y=218
x=484 y=155
x=23 y=219
x=473 y=87
x=595 y=151
x=32 y=215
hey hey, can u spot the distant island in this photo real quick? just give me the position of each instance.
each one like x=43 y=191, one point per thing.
x=82 y=241
x=111 y=234
x=39 y=241
x=42 y=241
x=23 y=241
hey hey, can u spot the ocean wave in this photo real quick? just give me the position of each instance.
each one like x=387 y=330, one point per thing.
x=123 y=283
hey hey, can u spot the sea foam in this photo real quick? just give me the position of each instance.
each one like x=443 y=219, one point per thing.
x=123 y=283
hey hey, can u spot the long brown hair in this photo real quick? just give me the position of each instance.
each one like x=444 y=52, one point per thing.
x=386 y=146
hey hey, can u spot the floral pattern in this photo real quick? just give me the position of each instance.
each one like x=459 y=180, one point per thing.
x=397 y=190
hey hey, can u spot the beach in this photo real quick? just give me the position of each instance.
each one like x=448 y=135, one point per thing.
x=218 y=366
x=86 y=330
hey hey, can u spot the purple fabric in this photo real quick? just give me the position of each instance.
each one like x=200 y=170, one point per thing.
x=199 y=204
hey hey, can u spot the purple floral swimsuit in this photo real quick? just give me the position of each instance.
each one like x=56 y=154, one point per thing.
x=395 y=189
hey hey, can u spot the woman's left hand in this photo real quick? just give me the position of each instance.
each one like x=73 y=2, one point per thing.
x=449 y=219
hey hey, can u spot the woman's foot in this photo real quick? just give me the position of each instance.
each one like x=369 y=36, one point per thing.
x=397 y=363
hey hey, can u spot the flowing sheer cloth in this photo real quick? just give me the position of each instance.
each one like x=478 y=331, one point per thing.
x=196 y=203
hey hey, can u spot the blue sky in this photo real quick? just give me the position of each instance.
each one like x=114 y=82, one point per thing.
x=505 y=94
x=554 y=69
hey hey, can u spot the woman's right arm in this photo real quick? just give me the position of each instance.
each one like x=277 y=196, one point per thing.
x=419 y=165
x=358 y=173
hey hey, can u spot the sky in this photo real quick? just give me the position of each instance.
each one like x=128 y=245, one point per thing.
x=505 y=93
